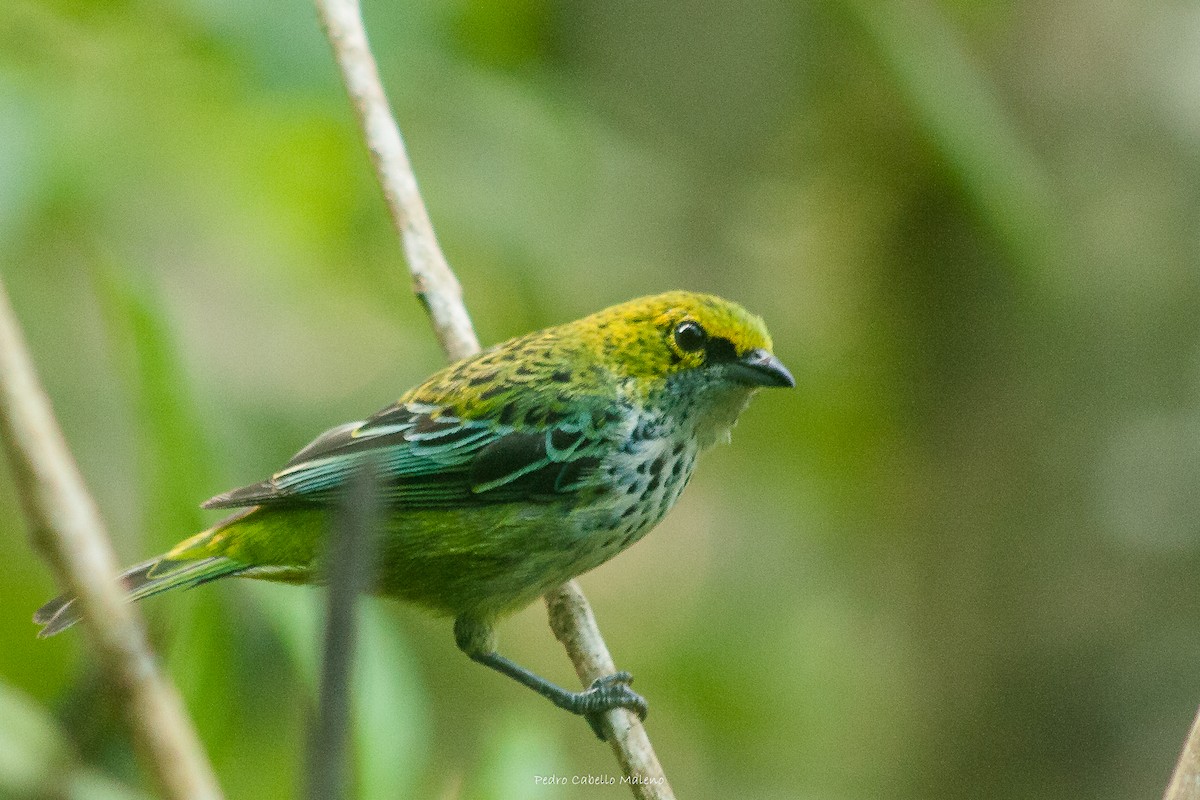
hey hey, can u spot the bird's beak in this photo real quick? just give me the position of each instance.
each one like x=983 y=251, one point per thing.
x=760 y=368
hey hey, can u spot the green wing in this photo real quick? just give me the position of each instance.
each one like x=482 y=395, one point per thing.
x=425 y=457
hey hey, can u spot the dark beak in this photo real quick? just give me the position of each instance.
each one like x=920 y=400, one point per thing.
x=760 y=368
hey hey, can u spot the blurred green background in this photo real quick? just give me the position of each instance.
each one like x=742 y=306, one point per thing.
x=958 y=561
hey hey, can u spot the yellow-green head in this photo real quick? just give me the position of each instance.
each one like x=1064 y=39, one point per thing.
x=668 y=334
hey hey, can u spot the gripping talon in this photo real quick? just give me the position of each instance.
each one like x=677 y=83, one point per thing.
x=606 y=693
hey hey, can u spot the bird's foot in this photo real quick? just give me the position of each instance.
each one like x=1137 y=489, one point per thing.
x=605 y=694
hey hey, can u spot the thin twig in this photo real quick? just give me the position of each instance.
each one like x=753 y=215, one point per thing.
x=348 y=570
x=574 y=625
x=441 y=294
x=66 y=529
x=1185 y=782
x=433 y=281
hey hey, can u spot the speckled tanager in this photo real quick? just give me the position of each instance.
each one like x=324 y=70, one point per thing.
x=503 y=475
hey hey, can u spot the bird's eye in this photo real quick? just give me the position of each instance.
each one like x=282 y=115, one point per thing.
x=690 y=336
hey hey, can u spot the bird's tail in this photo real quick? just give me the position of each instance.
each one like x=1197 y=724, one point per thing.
x=142 y=580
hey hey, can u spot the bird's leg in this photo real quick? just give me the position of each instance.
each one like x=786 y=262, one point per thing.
x=477 y=639
x=605 y=694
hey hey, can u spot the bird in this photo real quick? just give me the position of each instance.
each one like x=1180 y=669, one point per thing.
x=502 y=476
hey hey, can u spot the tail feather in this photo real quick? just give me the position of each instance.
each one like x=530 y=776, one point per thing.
x=46 y=613
x=140 y=581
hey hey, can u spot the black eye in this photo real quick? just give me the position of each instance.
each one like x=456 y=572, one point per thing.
x=690 y=336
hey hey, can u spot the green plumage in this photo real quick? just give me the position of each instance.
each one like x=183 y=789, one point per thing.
x=504 y=474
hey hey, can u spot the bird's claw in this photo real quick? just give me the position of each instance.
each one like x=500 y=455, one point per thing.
x=606 y=693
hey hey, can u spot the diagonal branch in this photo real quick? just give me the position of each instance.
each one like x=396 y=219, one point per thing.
x=434 y=282
x=574 y=625
x=439 y=291
x=1185 y=783
x=66 y=529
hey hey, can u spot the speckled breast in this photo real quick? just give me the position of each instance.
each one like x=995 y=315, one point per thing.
x=646 y=478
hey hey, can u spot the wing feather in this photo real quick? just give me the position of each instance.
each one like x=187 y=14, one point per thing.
x=426 y=457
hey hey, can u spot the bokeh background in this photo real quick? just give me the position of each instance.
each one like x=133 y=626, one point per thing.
x=960 y=560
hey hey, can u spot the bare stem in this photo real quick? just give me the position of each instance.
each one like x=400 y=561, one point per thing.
x=1185 y=782
x=438 y=289
x=433 y=281
x=574 y=625
x=348 y=565
x=66 y=529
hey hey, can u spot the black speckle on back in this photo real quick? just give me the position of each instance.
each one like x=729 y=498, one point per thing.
x=499 y=388
x=508 y=413
x=562 y=376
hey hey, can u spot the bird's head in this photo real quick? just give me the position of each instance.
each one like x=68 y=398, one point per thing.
x=685 y=335
x=694 y=349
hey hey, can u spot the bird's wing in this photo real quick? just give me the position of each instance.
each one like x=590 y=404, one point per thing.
x=426 y=457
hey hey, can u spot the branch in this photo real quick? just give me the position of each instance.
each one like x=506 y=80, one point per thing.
x=66 y=529
x=433 y=280
x=574 y=625
x=440 y=293
x=1185 y=782
x=348 y=563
